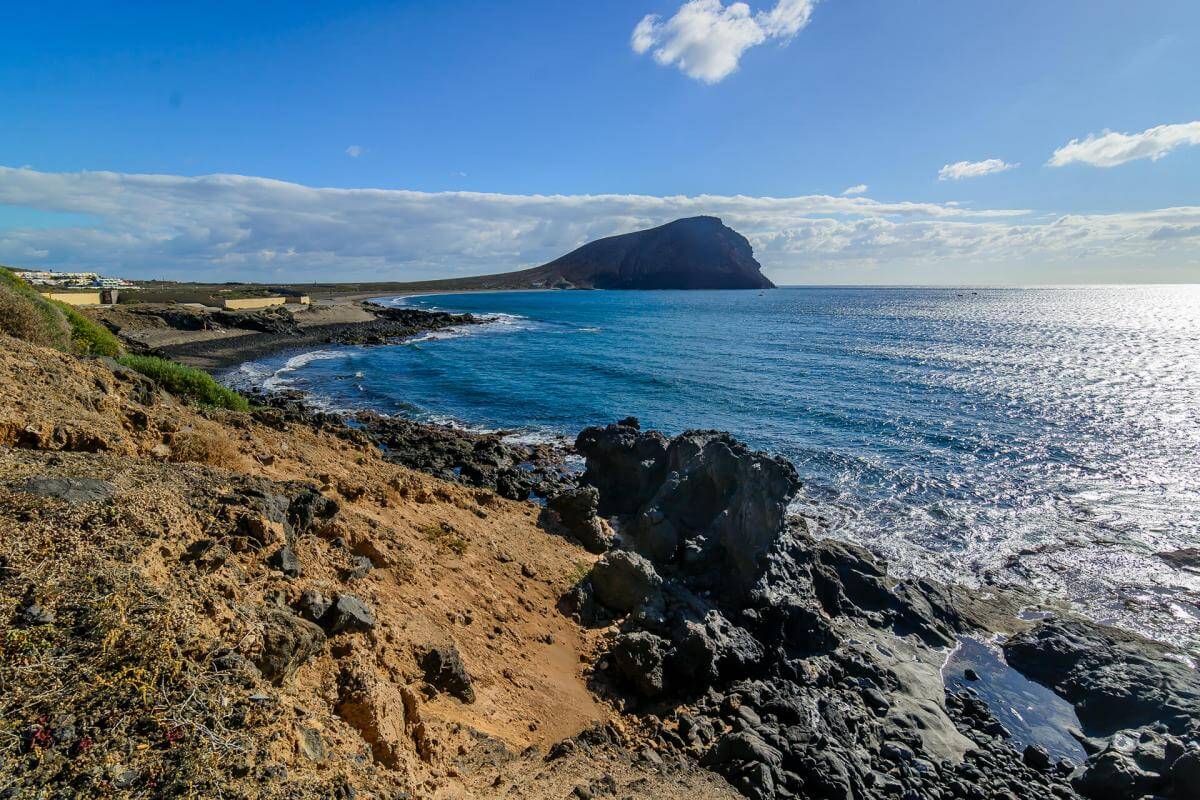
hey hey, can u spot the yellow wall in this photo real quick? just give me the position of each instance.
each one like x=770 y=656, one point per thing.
x=75 y=298
x=255 y=302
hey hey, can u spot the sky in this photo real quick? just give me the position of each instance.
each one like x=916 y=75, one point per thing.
x=852 y=141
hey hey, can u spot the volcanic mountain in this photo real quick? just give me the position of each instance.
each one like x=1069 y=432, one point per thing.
x=691 y=253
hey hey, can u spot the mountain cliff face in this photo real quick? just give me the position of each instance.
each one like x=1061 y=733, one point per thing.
x=693 y=253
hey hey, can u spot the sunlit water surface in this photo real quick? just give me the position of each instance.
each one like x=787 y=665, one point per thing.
x=1042 y=437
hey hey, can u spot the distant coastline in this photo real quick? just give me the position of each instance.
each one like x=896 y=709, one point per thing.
x=194 y=336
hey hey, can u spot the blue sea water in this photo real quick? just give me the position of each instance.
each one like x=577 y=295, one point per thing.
x=1043 y=437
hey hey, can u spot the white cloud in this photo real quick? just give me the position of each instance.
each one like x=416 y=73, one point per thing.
x=973 y=169
x=1112 y=149
x=705 y=39
x=226 y=227
x=857 y=189
x=354 y=150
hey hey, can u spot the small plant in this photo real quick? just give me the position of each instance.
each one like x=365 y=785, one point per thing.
x=444 y=535
x=579 y=572
x=204 y=447
x=186 y=382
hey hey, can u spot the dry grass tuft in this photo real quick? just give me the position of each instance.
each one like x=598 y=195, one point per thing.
x=204 y=446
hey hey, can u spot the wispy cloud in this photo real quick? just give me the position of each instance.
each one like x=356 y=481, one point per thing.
x=354 y=150
x=1111 y=149
x=857 y=189
x=225 y=227
x=973 y=169
x=705 y=39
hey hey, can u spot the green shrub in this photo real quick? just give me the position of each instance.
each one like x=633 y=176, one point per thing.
x=31 y=319
x=27 y=315
x=186 y=382
x=89 y=337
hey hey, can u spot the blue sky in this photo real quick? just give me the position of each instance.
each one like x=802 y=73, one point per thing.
x=514 y=101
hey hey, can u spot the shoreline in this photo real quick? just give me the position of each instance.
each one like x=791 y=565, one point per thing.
x=217 y=342
x=371 y=326
x=810 y=505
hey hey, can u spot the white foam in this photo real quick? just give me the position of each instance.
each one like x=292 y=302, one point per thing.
x=257 y=374
x=533 y=438
x=491 y=323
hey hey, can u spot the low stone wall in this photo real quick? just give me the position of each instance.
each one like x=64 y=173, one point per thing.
x=254 y=302
x=74 y=298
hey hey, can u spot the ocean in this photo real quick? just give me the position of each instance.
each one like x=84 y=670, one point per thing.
x=1042 y=437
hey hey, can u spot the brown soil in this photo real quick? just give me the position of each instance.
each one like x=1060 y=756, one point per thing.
x=129 y=664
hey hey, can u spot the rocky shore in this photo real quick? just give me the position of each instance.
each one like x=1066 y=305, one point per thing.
x=793 y=665
x=214 y=339
x=310 y=605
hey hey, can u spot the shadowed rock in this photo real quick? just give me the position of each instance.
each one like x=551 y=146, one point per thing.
x=576 y=510
x=347 y=614
x=702 y=500
x=444 y=670
x=793 y=655
x=625 y=581
x=72 y=490
x=1115 y=679
x=287 y=642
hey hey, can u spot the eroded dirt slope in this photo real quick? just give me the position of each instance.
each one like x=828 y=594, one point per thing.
x=224 y=604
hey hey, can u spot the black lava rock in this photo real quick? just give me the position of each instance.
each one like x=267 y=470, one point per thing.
x=284 y=559
x=444 y=671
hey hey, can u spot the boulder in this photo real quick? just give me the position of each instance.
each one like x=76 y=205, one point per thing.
x=576 y=510
x=1114 y=678
x=624 y=463
x=287 y=642
x=638 y=657
x=702 y=499
x=308 y=509
x=714 y=649
x=313 y=605
x=284 y=560
x=1185 y=774
x=753 y=766
x=347 y=614
x=1037 y=757
x=625 y=581
x=444 y=670
x=1113 y=775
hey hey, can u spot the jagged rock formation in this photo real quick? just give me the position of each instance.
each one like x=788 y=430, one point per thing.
x=794 y=666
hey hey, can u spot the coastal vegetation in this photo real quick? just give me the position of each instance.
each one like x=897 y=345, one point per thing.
x=187 y=383
x=89 y=337
x=27 y=315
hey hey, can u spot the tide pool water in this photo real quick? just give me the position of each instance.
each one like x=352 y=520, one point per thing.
x=1044 y=437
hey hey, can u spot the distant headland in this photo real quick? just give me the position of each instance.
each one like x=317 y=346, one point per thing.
x=690 y=253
